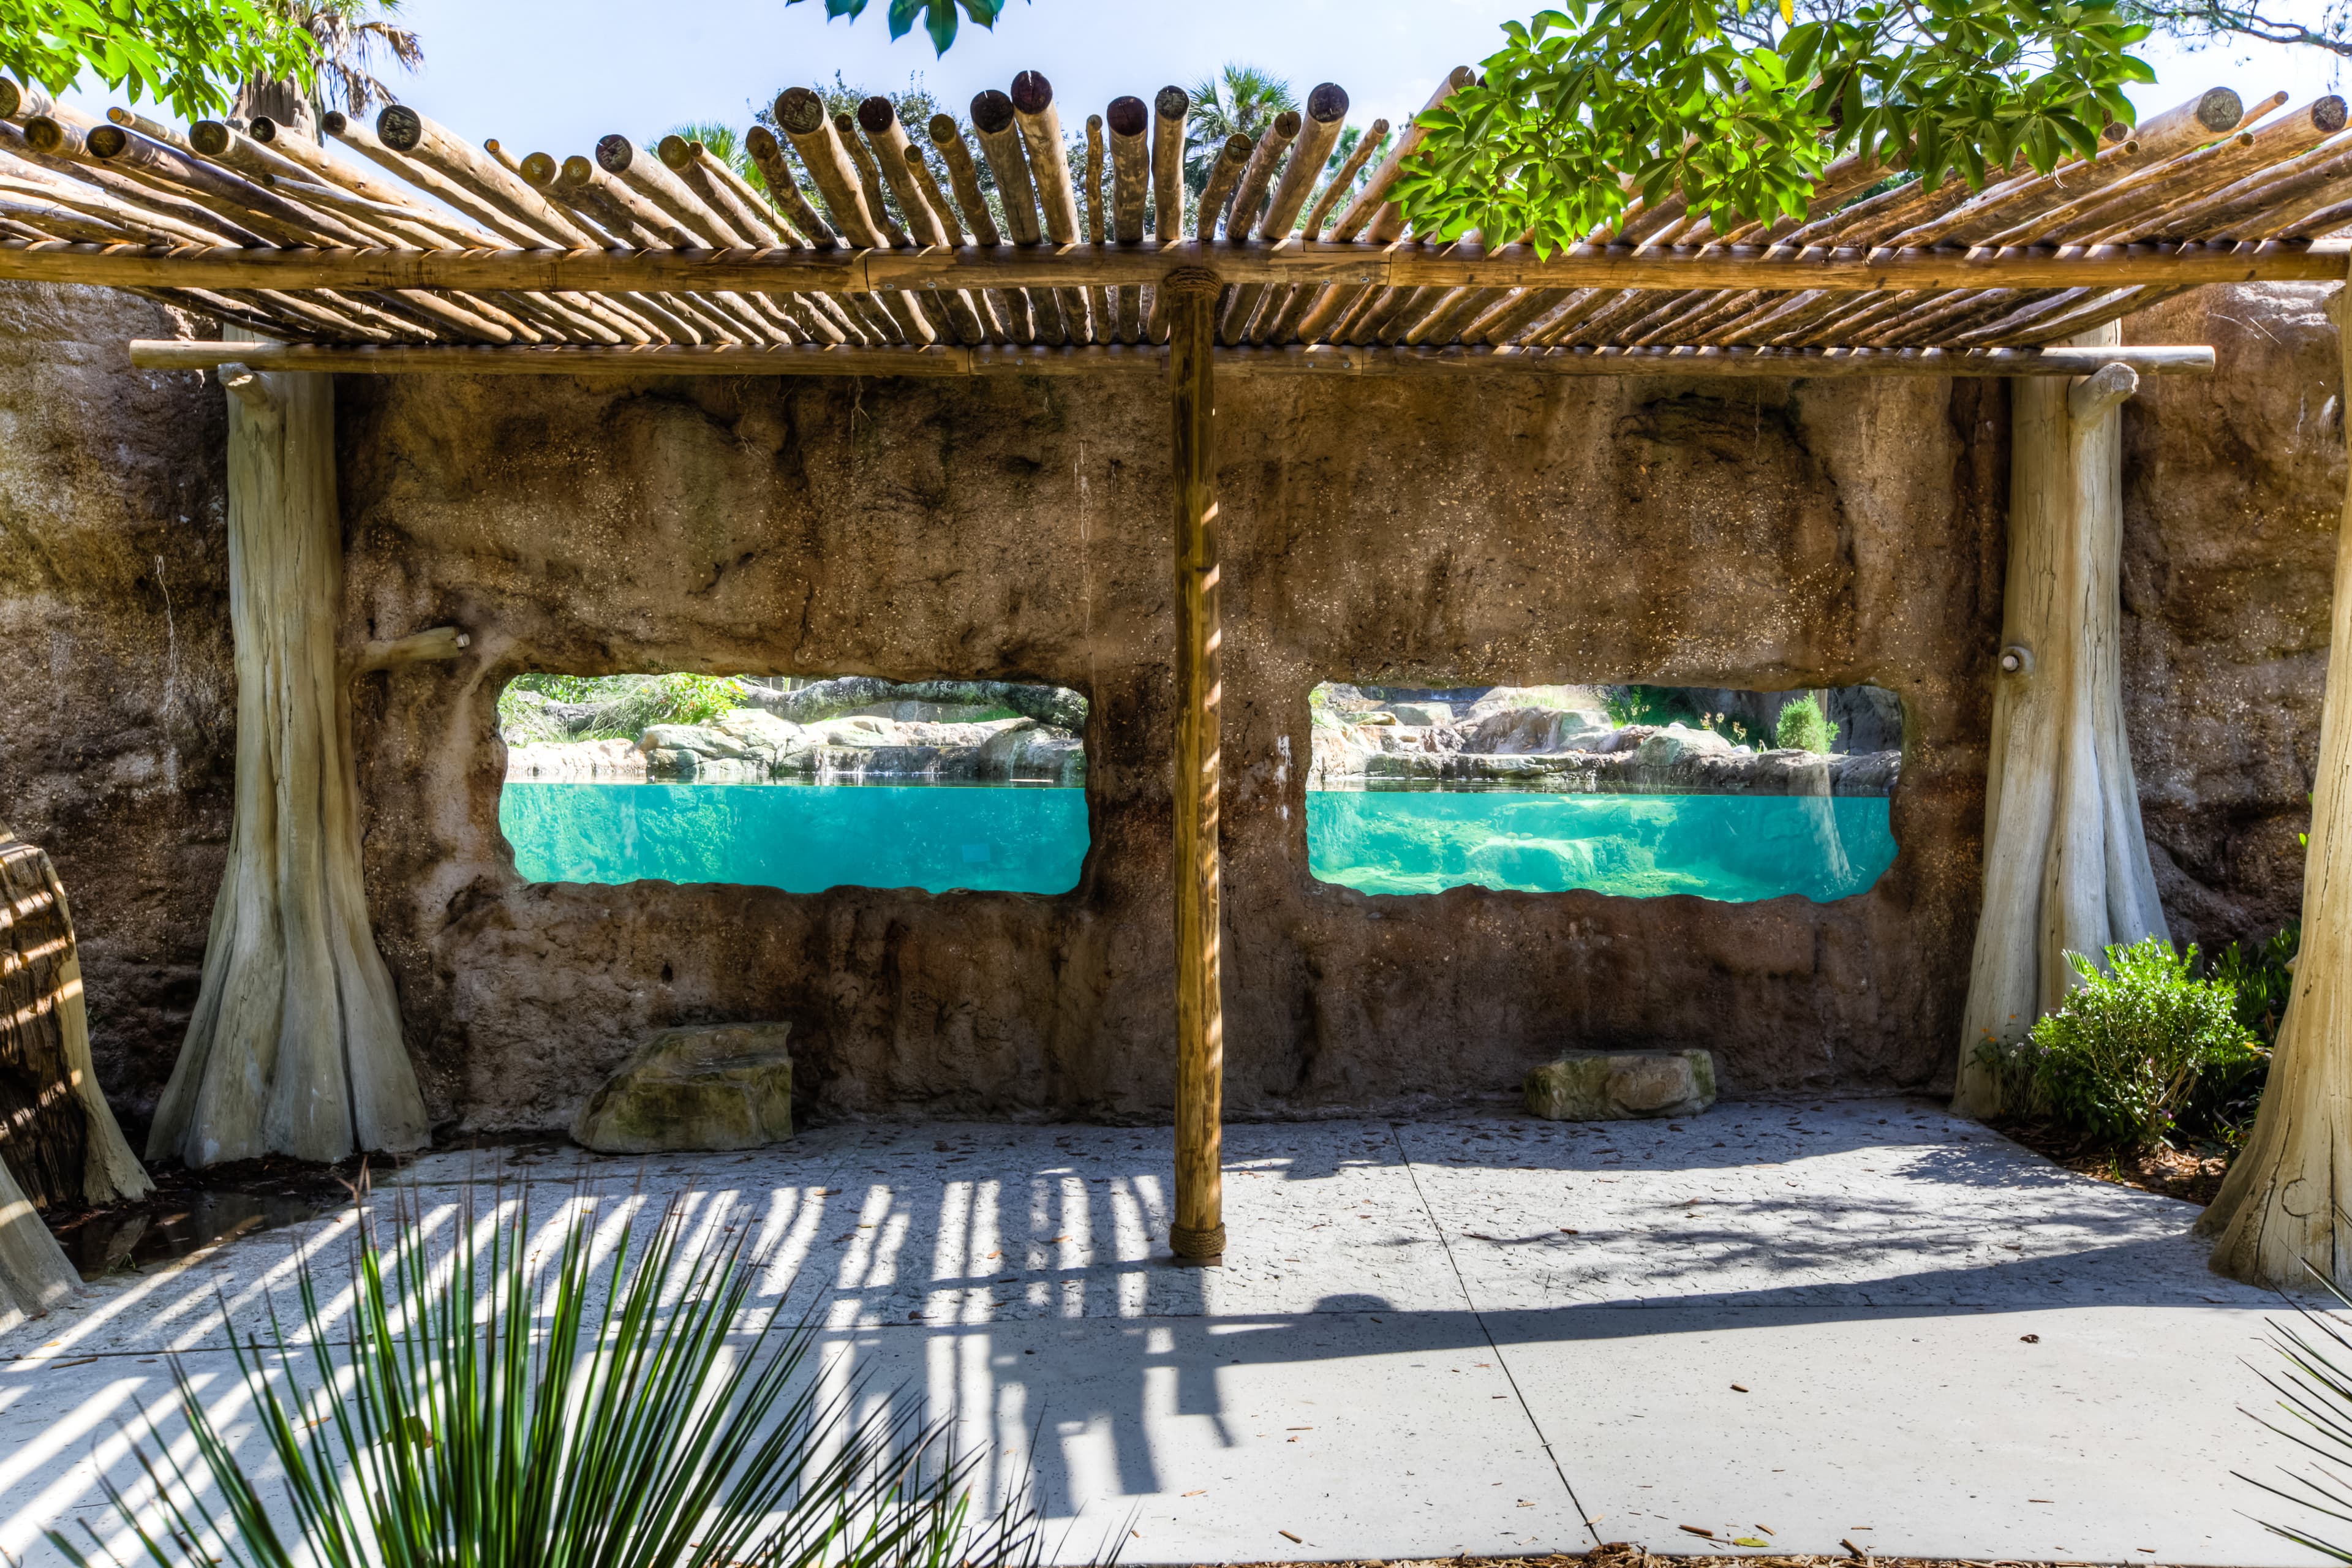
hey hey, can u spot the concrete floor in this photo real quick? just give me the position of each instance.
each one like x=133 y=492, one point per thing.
x=1861 y=1322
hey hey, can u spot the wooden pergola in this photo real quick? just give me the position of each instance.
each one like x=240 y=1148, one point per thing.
x=423 y=252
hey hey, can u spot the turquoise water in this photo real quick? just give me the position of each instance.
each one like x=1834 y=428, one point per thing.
x=1737 y=848
x=803 y=838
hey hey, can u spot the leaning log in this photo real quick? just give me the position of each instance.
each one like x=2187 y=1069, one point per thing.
x=58 y=1138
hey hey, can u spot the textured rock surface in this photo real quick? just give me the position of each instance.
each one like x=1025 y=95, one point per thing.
x=727 y=1085
x=1490 y=533
x=2232 y=488
x=1621 y=1086
x=117 y=700
x=1815 y=535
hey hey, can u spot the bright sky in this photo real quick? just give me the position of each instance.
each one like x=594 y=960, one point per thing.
x=554 y=75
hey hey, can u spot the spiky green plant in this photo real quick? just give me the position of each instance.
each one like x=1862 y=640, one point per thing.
x=2316 y=1398
x=540 y=1404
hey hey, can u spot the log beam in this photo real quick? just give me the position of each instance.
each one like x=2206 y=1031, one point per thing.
x=673 y=359
x=2065 y=860
x=2281 y=1215
x=294 y=1047
x=1403 y=265
x=1198 y=1235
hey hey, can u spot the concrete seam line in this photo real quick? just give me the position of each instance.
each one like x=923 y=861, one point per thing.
x=1500 y=1360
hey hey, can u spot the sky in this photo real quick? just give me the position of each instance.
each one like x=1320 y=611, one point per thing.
x=555 y=75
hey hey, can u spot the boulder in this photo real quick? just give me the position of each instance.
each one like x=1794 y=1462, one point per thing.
x=1427 y=715
x=714 y=1086
x=1663 y=749
x=1620 y=1086
x=703 y=739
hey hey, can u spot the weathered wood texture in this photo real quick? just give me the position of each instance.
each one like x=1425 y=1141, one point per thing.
x=295 y=1045
x=2282 y=1213
x=1199 y=1232
x=2066 y=864
x=58 y=1138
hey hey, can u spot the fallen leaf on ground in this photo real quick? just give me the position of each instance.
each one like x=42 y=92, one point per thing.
x=1738 y=1388
x=1203 y=1492
x=1695 y=1530
x=1286 y=1535
x=2029 y=1339
x=1749 y=1541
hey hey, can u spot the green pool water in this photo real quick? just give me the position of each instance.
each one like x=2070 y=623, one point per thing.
x=1737 y=848
x=803 y=838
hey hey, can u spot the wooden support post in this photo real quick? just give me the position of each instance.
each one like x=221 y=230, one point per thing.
x=2065 y=859
x=294 y=1047
x=2281 y=1213
x=1199 y=1234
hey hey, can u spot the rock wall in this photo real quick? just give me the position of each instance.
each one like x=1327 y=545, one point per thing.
x=2234 y=488
x=1698 y=533
x=117 y=695
x=1490 y=533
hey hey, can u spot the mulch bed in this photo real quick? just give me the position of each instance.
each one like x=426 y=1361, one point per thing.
x=2193 y=1175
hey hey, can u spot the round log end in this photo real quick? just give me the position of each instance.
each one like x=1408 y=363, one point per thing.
x=844 y=124
x=576 y=170
x=2328 y=114
x=209 y=137
x=877 y=115
x=1286 y=124
x=2114 y=131
x=2220 y=110
x=760 y=142
x=122 y=116
x=1327 y=103
x=799 y=110
x=992 y=111
x=1128 y=117
x=1460 y=77
x=43 y=134
x=334 y=123
x=942 y=129
x=1172 y=103
x=11 y=98
x=539 y=168
x=615 y=153
x=675 y=152
x=105 y=141
x=1238 y=148
x=1032 y=93
x=400 y=128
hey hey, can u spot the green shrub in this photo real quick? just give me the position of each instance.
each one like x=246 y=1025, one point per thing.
x=2122 y=1055
x=2263 y=978
x=1802 y=727
x=1649 y=705
x=624 y=704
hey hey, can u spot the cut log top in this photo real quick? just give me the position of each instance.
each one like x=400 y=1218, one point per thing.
x=666 y=244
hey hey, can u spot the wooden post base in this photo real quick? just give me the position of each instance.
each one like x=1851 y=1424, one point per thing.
x=1199 y=1248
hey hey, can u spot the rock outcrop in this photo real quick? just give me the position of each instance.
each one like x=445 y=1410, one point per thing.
x=1621 y=1086
x=1575 y=751
x=721 y=1086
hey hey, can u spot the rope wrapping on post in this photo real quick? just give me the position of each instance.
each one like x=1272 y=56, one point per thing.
x=1198 y=1233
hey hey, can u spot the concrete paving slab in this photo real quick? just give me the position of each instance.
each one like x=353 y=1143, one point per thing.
x=1409 y=1353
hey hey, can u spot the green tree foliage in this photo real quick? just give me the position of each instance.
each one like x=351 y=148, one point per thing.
x=176 y=52
x=1804 y=727
x=350 y=39
x=2120 y=1057
x=2203 y=23
x=1239 y=101
x=939 y=17
x=558 y=1398
x=1666 y=91
x=914 y=105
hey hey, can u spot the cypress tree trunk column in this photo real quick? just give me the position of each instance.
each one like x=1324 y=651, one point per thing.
x=2280 y=1210
x=294 y=1047
x=2065 y=859
x=1198 y=1235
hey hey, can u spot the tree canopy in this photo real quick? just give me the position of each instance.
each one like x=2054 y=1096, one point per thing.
x=184 y=53
x=939 y=17
x=1664 y=91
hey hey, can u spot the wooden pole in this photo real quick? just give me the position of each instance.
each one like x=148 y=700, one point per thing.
x=685 y=359
x=1199 y=1234
x=2066 y=867
x=2280 y=1211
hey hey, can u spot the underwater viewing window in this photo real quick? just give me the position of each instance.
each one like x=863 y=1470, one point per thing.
x=1636 y=791
x=779 y=782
